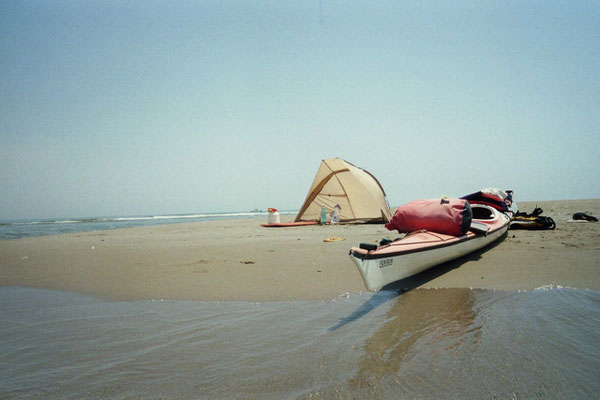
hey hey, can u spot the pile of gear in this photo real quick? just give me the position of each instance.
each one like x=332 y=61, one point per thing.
x=533 y=221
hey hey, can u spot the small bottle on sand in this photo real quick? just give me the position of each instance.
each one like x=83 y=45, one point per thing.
x=335 y=214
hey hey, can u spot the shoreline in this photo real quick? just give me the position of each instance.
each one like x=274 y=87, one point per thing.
x=238 y=260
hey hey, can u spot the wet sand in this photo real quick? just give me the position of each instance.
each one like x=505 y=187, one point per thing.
x=238 y=260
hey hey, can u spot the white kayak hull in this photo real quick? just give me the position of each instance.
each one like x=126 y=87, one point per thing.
x=422 y=250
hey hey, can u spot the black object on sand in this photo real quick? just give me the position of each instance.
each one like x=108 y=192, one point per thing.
x=584 y=217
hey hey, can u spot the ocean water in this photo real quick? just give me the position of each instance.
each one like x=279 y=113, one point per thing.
x=13 y=229
x=419 y=344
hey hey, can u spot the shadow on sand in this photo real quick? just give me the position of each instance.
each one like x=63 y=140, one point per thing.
x=395 y=289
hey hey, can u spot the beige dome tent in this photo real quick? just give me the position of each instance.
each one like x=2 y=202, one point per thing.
x=358 y=193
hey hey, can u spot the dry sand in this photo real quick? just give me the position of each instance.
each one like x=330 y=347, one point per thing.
x=240 y=260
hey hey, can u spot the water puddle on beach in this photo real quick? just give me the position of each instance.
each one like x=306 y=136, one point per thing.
x=445 y=343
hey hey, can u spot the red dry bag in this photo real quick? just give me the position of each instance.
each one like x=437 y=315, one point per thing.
x=447 y=216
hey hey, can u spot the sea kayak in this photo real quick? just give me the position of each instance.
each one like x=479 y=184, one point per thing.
x=421 y=250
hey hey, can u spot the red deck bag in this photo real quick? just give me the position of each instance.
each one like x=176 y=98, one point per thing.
x=447 y=216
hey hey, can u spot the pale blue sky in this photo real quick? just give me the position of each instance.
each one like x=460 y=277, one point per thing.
x=157 y=107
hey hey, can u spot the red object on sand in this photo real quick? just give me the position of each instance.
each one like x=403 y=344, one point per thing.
x=289 y=224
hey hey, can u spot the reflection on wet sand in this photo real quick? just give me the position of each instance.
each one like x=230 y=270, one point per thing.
x=444 y=318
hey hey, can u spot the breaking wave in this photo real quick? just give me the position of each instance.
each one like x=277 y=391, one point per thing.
x=39 y=227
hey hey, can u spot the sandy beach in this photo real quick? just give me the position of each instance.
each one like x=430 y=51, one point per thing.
x=238 y=260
